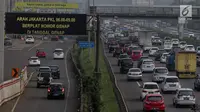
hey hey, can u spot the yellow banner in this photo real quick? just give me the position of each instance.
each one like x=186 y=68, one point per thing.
x=54 y=5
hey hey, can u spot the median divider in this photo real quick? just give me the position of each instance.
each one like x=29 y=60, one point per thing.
x=14 y=87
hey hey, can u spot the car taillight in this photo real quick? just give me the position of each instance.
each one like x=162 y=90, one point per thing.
x=49 y=90
x=144 y=91
x=147 y=103
x=157 y=91
x=63 y=90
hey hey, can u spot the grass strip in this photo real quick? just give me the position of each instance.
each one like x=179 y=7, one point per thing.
x=87 y=63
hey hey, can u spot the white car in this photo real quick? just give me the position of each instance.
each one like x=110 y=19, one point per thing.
x=29 y=39
x=163 y=57
x=153 y=50
x=58 y=54
x=182 y=44
x=184 y=96
x=134 y=74
x=175 y=41
x=189 y=48
x=148 y=65
x=170 y=84
x=198 y=50
x=159 y=74
x=34 y=61
x=149 y=88
x=167 y=45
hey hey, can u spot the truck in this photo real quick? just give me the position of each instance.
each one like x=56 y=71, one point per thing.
x=185 y=64
x=144 y=37
x=170 y=60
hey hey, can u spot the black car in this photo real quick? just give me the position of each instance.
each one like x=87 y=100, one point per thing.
x=44 y=78
x=54 y=38
x=158 y=54
x=56 y=90
x=121 y=57
x=140 y=61
x=7 y=42
x=55 y=71
x=112 y=47
x=197 y=83
x=117 y=52
x=126 y=64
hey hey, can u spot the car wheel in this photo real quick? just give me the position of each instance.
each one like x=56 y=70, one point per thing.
x=38 y=85
x=163 y=91
x=141 y=98
x=63 y=97
x=58 y=76
x=118 y=64
x=48 y=97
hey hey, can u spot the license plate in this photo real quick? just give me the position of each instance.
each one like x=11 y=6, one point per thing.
x=148 y=66
x=150 y=92
x=56 y=94
x=186 y=98
x=154 y=108
x=172 y=85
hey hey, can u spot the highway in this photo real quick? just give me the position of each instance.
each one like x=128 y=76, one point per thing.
x=35 y=99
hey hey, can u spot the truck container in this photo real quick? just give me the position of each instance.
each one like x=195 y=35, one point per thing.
x=144 y=37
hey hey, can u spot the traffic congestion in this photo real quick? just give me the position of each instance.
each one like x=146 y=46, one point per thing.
x=152 y=72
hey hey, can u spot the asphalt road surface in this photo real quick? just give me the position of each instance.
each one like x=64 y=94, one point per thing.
x=35 y=99
x=16 y=56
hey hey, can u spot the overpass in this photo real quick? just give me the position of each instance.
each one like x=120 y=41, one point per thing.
x=157 y=11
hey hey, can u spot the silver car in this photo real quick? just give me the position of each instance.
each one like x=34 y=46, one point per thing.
x=148 y=65
x=159 y=74
x=184 y=96
x=134 y=74
x=170 y=84
x=163 y=57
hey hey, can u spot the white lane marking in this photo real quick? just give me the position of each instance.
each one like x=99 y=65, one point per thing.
x=138 y=83
x=14 y=49
x=68 y=80
x=17 y=101
x=35 y=46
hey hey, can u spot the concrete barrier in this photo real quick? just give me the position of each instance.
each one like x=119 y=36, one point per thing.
x=14 y=87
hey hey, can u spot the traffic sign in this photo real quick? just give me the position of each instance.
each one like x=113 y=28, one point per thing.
x=185 y=10
x=15 y=72
x=85 y=44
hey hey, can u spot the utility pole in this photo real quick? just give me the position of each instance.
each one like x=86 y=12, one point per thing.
x=2 y=31
x=97 y=44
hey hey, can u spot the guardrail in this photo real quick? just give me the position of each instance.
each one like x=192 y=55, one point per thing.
x=118 y=94
x=78 y=75
x=14 y=87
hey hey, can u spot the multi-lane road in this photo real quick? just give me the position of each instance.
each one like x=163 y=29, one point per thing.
x=34 y=99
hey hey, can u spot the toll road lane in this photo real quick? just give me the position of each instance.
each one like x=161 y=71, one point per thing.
x=35 y=99
x=17 y=57
x=131 y=90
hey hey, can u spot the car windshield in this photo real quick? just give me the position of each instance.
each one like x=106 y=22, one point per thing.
x=150 y=86
x=175 y=40
x=45 y=74
x=44 y=70
x=126 y=45
x=154 y=48
x=172 y=80
x=136 y=52
x=123 y=56
x=167 y=43
x=190 y=47
x=127 y=60
x=56 y=86
x=29 y=37
x=33 y=58
x=135 y=48
x=198 y=48
x=186 y=92
x=142 y=58
x=148 y=62
x=182 y=43
x=165 y=55
x=135 y=70
x=154 y=98
x=58 y=50
x=161 y=70
x=161 y=51
x=40 y=50
x=54 y=67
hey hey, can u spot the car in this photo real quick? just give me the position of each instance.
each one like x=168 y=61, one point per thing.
x=198 y=50
x=149 y=88
x=34 y=61
x=147 y=65
x=58 y=54
x=113 y=46
x=153 y=50
x=198 y=60
x=175 y=41
x=141 y=60
x=56 y=90
x=170 y=84
x=54 y=38
x=55 y=71
x=44 y=69
x=159 y=74
x=136 y=55
x=184 y=96
x=156 y=41
x=153 y=102
x=29 y=39
x=197 y=83
x=121 y=57
x=44 y=78
x=134 y=74
x=133 y=48
x=167 y=39
x=7 y=42
x=117 y=52
x=125 y=48
x=163 y=57
x=189 y=48
x=126 y=64
x=158 y=54
x=182 y=44
x=40 y=53
x=167 y=46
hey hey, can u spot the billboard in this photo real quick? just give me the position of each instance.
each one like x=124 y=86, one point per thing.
x=54 y=5
x=45 y=24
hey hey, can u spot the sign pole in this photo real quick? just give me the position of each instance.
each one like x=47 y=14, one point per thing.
x=97 y=45
x=2 y=17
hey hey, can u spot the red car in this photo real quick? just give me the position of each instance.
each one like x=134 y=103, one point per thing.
x=153 y=102
x=136 y=55
x=40 y=53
